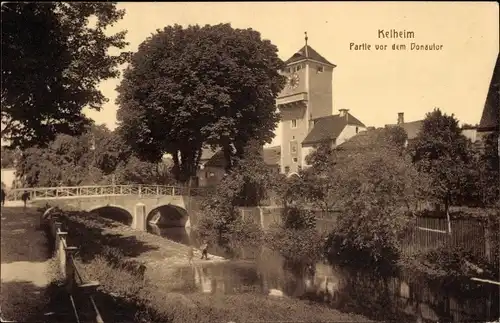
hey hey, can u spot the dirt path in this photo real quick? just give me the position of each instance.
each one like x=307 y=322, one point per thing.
x=25 y=270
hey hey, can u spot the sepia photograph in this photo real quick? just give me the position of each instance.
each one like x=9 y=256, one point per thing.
x=250 y=162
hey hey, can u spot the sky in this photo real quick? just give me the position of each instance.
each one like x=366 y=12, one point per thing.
x=374 y=85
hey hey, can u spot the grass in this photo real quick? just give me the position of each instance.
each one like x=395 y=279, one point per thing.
x=156 y=298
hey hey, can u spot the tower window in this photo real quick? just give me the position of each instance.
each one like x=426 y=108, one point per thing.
x=294 y=123
x=320 y=69
x=298 y=67
x=287 y=69
x=293 y=147
x=294 y=159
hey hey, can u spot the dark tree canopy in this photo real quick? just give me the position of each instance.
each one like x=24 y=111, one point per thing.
x=190 y=87
x=52 y=64
x=444 y=153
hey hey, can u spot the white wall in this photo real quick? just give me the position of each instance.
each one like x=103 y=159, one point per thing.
x=306 y=151
x=349 y=131
x=8 y=177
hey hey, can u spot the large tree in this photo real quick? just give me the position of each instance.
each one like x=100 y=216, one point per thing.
x=375 y=186
x=195 y=86
x=53 y=60
x=443 y=153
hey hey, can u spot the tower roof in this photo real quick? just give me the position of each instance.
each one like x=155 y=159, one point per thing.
x=311 y=54
x=490 y=116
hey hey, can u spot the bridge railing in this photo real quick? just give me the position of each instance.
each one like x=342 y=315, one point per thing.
x=41 y=193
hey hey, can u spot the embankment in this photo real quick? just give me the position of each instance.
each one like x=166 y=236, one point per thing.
x=139 y=268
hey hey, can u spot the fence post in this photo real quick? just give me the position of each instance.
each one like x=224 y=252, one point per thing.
x=157 y=190
x=173 y=190
x=487 y=244
x=140 y=190
x=121 y=190
x=70 y=268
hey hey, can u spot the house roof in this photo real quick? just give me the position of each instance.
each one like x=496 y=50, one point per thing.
x=364 y=140
x=490 y=117
x=216 y=160
x=412 y=128
x=311 y=54
x=329 y=128
x=206 y=154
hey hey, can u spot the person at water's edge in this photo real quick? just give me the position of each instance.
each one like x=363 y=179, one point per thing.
x=204 y=250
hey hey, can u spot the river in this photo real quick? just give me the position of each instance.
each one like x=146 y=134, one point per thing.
x=390 y=299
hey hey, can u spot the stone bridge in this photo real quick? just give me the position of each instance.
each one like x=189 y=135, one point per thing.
x=135 y=205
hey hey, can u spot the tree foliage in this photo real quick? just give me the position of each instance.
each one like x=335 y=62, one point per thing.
x=98 y=156
x=196 y=86
x=484 y=176
x=374 y=185
x=9 y=157
x=65 y=58
x=246 y=184
x=443 y=153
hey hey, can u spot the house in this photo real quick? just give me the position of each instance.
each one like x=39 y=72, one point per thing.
x=306 y=109
x=413 y=129
x=212 y=164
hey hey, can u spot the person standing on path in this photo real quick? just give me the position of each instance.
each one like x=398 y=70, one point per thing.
x=3 y=197
x=25 y=197
x=204 y=250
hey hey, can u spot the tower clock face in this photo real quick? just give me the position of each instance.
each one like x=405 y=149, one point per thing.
x=293 y=81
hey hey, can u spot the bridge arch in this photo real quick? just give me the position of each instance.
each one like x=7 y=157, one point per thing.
x=168 y=215
x=113 y=212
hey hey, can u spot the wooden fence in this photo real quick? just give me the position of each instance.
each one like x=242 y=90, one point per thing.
x=427 y=233
x=77 y=288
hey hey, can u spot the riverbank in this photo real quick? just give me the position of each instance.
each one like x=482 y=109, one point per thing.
x=25 y=265
x=111 y=253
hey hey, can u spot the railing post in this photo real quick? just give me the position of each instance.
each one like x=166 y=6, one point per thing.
x=173 y=190
x=157 y=190
x=140 y=190
x=56 y=228
x=121 y=190
x=57 y=191
x=70 y=268
x=61 y=255
x=90 y=289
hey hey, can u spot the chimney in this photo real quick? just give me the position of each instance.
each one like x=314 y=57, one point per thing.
x=343 y=113
x=401 y=118
x=311 y=122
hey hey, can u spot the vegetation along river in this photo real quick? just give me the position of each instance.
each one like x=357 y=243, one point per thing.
x=389 y=299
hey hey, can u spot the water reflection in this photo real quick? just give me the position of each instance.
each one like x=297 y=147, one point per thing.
x=265 y=272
